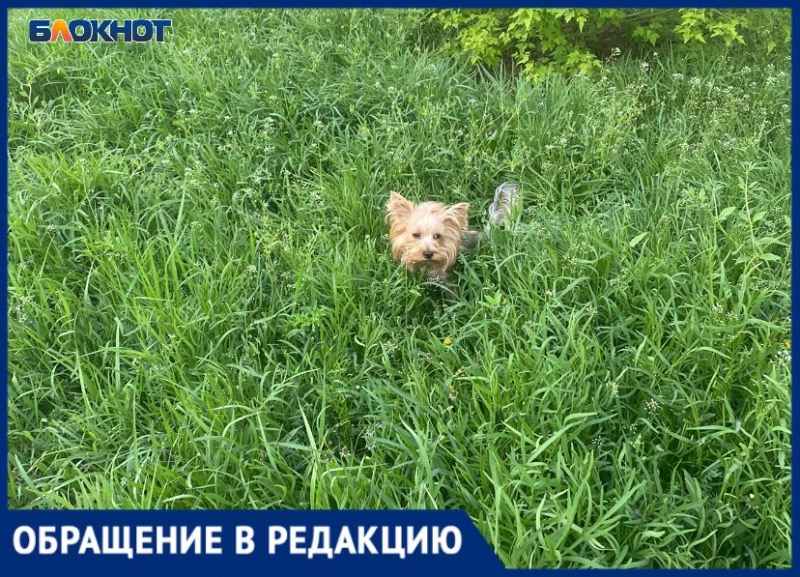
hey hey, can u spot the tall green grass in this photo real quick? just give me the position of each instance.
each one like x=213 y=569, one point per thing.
x=203 y=311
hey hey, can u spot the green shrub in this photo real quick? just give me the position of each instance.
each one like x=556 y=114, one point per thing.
x=541 y=40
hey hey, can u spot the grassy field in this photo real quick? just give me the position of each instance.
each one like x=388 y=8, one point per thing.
x=203 y=311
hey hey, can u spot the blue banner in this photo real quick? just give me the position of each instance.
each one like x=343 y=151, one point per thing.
x=325 y=542
x=220 y=542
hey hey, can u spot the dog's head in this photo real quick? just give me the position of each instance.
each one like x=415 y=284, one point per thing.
x=427 y=235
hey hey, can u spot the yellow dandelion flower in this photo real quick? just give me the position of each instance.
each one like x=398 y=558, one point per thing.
x=448 y=341
x=787 y=343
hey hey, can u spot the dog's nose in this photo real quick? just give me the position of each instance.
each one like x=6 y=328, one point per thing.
x=428 y=255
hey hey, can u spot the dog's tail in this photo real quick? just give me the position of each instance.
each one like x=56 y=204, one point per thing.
x=506 y=201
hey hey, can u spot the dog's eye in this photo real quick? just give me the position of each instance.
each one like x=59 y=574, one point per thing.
x=416 y=235
x=437 y=236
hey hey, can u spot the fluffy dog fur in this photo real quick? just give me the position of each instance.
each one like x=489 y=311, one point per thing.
x=426 y=236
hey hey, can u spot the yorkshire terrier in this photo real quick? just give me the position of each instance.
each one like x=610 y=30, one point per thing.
x=426 y=236
x=429 y=236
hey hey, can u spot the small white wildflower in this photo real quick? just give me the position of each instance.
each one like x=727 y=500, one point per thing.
x=369 y=435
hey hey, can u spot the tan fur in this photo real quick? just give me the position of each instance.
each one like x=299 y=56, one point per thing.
x=439 y=228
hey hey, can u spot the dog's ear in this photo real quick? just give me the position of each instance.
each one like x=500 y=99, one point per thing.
x=459 y=212
x=398 y=207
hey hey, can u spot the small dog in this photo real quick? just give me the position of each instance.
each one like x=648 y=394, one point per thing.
x=426 y=236
x=429 y=236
